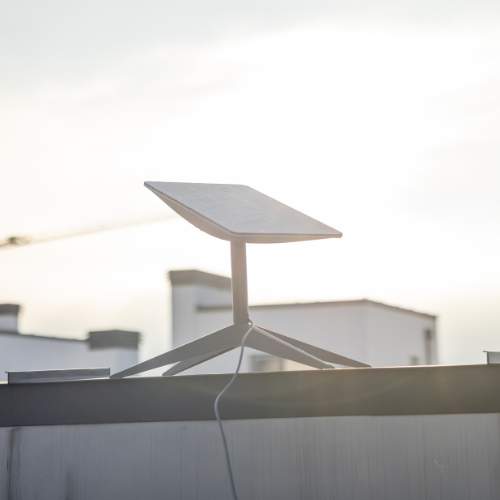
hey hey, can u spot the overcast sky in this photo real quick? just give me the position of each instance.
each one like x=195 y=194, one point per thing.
x=381 y=119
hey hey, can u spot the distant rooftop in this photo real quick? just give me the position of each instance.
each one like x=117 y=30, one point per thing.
x=197 y=277
x=323 y=303
x=96 y=340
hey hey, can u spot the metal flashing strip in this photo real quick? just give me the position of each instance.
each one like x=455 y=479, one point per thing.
x=424 y=390
x=51 y=376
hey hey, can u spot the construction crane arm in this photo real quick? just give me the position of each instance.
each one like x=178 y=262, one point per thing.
x=15 y=241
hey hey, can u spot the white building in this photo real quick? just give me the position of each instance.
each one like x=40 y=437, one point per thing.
x=369 y=331
x=114 y=349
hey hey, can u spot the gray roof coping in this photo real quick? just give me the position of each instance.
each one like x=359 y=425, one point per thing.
x=9 y=309
x=104 y=339
x=313 y=393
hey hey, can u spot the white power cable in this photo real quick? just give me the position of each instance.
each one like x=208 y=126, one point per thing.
x=217 y=414
x=227 y=456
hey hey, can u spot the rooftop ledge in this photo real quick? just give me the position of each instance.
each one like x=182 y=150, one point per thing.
x=360 y=391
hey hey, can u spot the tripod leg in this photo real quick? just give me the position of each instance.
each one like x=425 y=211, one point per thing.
x=227 y=338
x=189 y=363
x=324 y=354
x=268 y=342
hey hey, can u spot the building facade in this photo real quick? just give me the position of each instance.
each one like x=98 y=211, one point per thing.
x=369 y=331
x=114 y=349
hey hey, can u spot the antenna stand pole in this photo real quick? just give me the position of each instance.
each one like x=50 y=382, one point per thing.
x=239 y=282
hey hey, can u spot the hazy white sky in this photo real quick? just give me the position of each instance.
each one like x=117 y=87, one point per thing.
x=382 y=119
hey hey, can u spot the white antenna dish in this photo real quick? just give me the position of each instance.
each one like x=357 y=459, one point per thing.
x=240 y=215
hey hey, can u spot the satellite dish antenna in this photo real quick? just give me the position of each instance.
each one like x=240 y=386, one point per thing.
x=240 y=215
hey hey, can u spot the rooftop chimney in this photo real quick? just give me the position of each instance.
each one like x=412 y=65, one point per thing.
x=8 y=318
x=191 y=290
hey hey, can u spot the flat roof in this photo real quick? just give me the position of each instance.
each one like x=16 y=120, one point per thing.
x=423 y=390
x=32 y=336
x=95 y=339
x=322 y=303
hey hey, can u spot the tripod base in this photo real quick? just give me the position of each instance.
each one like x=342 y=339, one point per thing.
x=261 y=339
